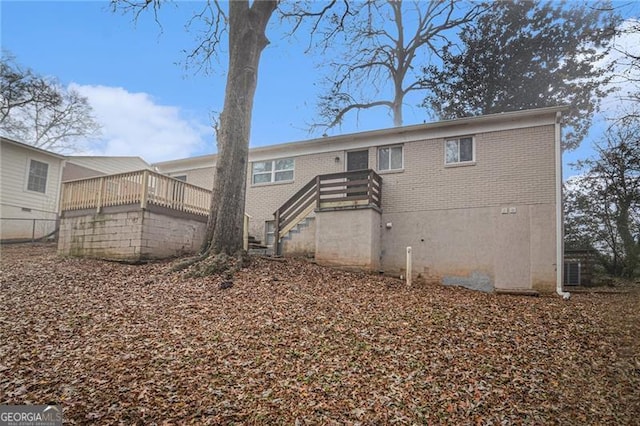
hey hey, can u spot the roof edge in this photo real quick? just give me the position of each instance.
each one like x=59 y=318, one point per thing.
x=32 y=148
x=510 y=115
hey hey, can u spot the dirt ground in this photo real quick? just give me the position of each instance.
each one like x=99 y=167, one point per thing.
x=295 y=343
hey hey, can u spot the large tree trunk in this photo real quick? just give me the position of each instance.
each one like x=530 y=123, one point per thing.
x=247 y=40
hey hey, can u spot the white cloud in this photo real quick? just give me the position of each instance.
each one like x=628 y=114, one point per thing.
x=134 y=125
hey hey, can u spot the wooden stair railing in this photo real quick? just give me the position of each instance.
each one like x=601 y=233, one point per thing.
x=329 y=191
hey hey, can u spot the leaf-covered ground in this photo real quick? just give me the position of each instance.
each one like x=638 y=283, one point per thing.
x=295 y=343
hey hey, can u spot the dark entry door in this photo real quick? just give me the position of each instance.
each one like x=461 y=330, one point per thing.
x=357 y=160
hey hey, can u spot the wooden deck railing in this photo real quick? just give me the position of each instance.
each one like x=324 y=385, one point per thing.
x=143 y=187
x=335 y=190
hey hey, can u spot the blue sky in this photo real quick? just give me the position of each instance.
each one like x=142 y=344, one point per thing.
x=133 y=74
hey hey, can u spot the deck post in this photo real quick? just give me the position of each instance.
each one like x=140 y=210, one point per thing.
x=100 y=195
x=370 y=187
x=145 y=189
x=318 y=191
x=276 y=226
x=379 y=181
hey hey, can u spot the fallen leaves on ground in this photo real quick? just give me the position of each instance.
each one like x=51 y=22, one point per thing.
x=296 y=343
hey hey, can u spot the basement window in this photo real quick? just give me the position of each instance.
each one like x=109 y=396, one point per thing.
x=273 y=171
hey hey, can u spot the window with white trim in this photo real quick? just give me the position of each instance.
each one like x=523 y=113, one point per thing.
x=273 y=171
x=459 y=150
x=390 y=158
x=37 y=180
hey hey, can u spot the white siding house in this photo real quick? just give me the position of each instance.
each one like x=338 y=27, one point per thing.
x=29 y=190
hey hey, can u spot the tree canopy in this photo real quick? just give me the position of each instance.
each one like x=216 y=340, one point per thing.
x=524 y=54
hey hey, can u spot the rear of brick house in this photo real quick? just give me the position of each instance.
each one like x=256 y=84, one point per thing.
x=477 y=199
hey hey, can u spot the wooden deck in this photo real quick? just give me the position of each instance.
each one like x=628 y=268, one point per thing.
x=143 y=187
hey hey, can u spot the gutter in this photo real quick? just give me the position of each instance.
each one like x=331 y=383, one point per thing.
x=559 y=213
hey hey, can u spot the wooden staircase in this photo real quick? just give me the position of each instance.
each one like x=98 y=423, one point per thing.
x=255 y=243
x=256 y=246
x=334 y=191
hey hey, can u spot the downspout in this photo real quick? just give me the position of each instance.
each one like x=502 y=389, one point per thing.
x=559 y=212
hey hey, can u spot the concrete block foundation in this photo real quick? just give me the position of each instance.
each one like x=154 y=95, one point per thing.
x=129 y=234
x=348 y=238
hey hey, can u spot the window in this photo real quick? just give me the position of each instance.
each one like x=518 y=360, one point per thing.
x=37 y=180
x=183 y=178
x=270 y=233
x=390 y=158
x=459 y=150
x=273 y=171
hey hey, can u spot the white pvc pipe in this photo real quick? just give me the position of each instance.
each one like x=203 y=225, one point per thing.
x=409 y=267
x=559 y=214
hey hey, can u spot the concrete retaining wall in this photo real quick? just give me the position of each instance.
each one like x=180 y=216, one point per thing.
x=130 y=236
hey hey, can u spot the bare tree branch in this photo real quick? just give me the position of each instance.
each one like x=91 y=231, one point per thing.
x=215 y=21
x=379 y=57
x=40 y=112
x=306 y=12
x=340 y=113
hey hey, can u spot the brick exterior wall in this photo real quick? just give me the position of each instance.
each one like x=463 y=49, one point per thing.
x=512 y=167
x=264 y=199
